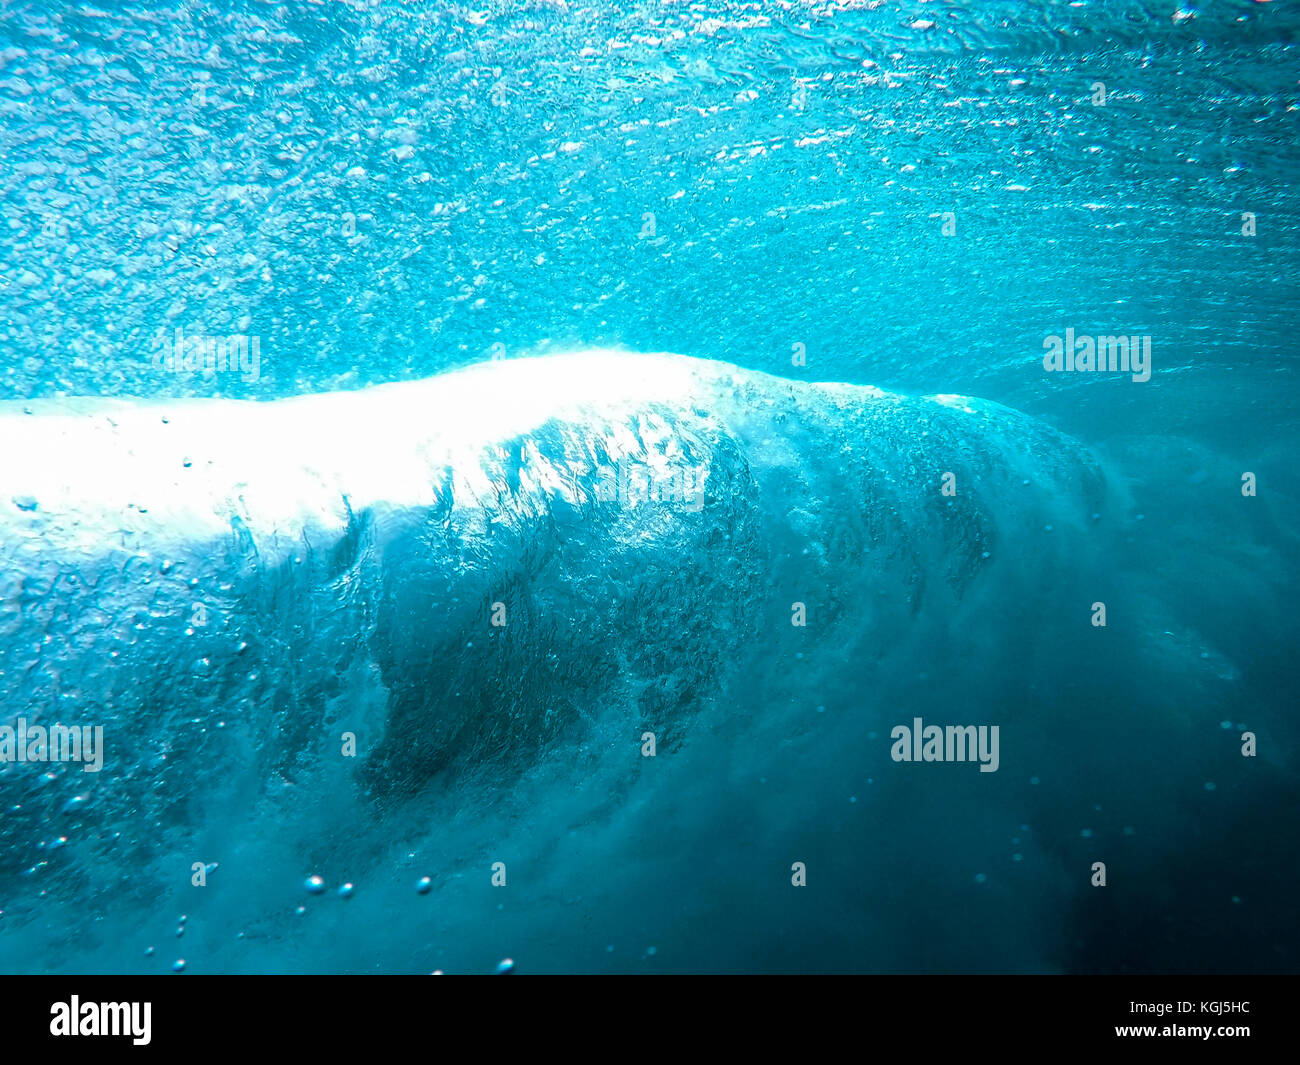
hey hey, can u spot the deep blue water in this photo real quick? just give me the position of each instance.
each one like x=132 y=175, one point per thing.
x=913 y=196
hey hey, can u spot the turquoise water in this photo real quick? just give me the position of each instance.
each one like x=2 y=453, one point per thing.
x=910 y=196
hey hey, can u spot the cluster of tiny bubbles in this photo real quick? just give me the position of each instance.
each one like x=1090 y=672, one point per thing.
x=423 y=885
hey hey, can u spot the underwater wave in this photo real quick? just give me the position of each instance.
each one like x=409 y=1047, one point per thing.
x=599 y=611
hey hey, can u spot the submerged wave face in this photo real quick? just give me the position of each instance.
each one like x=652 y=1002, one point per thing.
x=632 y=523
x=528 y=561
x=626 y=636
